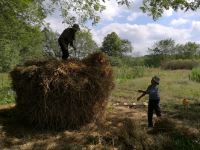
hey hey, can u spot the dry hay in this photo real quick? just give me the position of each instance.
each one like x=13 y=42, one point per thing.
x=164 y=124
x=62 y=94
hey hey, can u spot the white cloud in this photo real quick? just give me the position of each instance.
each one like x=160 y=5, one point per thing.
x=168 y=13
x=196 y=26
x=112 y=10
x=178 y=22
x=143 y=36
x=134 y=16
x=55 y=23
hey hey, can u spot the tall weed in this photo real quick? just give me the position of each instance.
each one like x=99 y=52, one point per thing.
x=195 y=75
x=6 y=93
x=129 y=72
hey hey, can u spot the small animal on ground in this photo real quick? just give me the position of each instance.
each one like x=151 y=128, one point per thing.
x=185 y=103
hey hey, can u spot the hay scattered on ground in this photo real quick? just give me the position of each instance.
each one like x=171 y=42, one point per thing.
x=62 y=94
x=164 y=125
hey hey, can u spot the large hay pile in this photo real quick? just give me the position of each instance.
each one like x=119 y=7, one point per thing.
x=62 y=94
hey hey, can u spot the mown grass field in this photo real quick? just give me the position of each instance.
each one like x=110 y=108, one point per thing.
x=123 y=128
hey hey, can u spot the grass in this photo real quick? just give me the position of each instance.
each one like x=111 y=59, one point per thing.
x=123 y=128
x=174 y=86
x=127 y=73
x=195 y=74
x=7 y=95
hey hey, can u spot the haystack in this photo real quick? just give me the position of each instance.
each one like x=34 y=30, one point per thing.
x=62 y=94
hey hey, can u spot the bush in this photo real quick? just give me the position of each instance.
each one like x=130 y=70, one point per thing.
x=153 y=60
x=116 y=61
x=6 y=93
x=126 y=72
x=195 y=75
x=180 y=64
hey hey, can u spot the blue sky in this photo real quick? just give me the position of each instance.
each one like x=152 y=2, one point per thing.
x=139 y=28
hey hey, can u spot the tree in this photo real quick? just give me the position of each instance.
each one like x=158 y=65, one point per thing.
x=126 y=46
x=50 y=43
x=89 y=9
x=114 y=46
x=9 y=56
x=163 y=47
x=156 y=8
x=188 y=51
x=20 y=23
x=161 y=51
x=84 y=44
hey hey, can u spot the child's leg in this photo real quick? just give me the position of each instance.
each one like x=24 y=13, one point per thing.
x=150 y=115
x=157 y=109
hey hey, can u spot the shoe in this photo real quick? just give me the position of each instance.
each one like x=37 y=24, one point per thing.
x=150 y=129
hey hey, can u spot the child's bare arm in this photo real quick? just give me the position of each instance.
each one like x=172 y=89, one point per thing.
x=143 y=94
x=141 y=91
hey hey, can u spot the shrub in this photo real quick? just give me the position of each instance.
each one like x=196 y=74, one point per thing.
x=6 y=93
x=180 y=64
x=116 y=61
x=195 y=75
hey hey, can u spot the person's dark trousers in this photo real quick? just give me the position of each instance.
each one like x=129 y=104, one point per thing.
x=153 y=105
x=64 y=48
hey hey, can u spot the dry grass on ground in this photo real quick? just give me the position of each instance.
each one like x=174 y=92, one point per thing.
x=122 y=129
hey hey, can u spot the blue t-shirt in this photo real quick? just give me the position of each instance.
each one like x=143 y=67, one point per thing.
x=153 y=92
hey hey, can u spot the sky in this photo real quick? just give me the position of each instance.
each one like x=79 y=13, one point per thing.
x=139 y=28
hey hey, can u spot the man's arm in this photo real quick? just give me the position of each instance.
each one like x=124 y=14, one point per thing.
x=72 y=45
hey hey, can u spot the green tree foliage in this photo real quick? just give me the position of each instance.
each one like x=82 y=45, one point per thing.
x=114 y=46
x=126 y=46
x=161 y=51
x=21 y=22
x=84 y=44
x=163 y=47
x=50 y=43
x=89 y=9
x=156 y=8
x=188 y=51
x=21 y=37
x=9 y=56
x=168 y=49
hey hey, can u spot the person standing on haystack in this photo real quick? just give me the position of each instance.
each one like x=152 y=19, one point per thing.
x=67 y=38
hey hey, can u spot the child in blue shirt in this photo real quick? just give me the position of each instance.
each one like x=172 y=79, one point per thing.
x=154 y=99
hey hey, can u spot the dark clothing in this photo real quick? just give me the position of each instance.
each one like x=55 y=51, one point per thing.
x=154 y=100
x=64 y=49
x=153 y=92
x=153 y=105
x=66 y=38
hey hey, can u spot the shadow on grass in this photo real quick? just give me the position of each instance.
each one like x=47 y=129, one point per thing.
x=190 y=115
x=116 y=131
x=113 y=132
x=15 y=134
